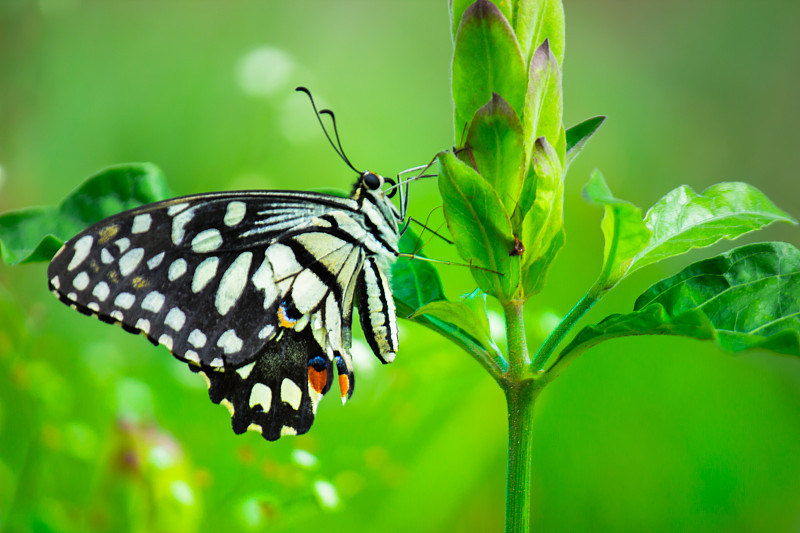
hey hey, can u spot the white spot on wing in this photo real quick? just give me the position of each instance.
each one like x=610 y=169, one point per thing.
x=263 y=279
x=175 y=319
x=192 y=356
x=81 y=281
x=235 y=213
x=82 y=247
x=143 y=325
x=153 y=302
x=177 y=269
x=216 y=362
x=94 y=306
x=123 y=244
x=288 y=430
x=197 y=338
x=117 y=315
x=308 y=291
x=261 y=395
x=291 y=393
x=55 y=282
x=266 y=332
x=179 y=223
x=124 y=300
x=204 y=273
x=141 y=223
x=129 y=261
x=284 y=263
x=177 y=208
x=207 y=241
x=233 y=282
x=155 y=261
x=101 y=291
x=244 y=371
x=166 y=340
x=229 y=342
x=106 y=257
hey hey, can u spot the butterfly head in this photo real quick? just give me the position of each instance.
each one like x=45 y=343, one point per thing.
x=371 y=185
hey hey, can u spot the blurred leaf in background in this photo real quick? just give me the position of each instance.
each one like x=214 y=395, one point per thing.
x=638 y=435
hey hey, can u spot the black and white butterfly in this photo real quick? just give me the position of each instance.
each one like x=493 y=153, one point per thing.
x=253 y=289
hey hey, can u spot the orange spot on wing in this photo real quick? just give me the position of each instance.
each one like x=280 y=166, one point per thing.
x=317 y=379
x=344 y=385
x=283 y=320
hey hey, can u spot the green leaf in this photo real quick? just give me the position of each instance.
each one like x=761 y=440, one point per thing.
x=495 y=145
x=36 y=234
x=535 y=21
x=486 y=60
x=543 y=102
x=746 y=298
x=577 y=137
x=526 y=198
x=464 y=318
x=458 y=7
x=415 y=282
x=543 y=226
x=683 y=220
x=624 y=231
x=480 y=227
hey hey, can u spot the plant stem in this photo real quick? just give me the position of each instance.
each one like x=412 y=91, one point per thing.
x=518 y=358
x=520 y=397
x=565 y=325
x=520 y=391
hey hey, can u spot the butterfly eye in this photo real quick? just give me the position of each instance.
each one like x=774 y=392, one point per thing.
x=372 y=180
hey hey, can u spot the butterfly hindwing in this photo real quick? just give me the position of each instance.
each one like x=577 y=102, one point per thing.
x=277 y=394
x=376 y=311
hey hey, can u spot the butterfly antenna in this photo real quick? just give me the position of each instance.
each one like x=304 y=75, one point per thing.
x=338 y=141
x=317 y=113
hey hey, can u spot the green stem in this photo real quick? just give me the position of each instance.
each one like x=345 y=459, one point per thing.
x=520 y=397
x=520 y=392
x=518 y=358
x=558 y=334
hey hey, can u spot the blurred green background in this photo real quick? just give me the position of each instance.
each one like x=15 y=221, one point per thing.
x=99 y=431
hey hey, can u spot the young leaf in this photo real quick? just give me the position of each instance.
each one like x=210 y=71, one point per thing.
x=624 y=231
x=486 y=60
x=543 y=101
x=535 y=21
x=683 y=220
x=479 y=225
x=746 y=298
x=464 y=318
x=458 y=7
x=415 y=282
x=36 y=234
x=495 y=145
x=543 y=226
x=577 y=137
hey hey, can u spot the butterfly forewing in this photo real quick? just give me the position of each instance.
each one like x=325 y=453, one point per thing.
x=254 y=289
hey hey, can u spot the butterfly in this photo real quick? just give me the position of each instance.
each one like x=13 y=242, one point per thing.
x=254 y=290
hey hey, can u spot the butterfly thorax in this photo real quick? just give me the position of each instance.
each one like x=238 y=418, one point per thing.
x=381 y=216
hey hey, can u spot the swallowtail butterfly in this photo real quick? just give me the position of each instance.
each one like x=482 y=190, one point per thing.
x=254 y=290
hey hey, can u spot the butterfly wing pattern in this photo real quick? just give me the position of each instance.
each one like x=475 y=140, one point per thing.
x=252 y=289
